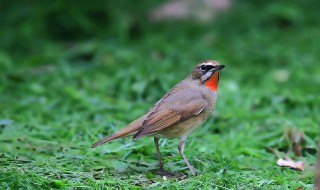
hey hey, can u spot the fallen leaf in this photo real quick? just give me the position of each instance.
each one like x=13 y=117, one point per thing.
x=299 y=165
x=201 y=10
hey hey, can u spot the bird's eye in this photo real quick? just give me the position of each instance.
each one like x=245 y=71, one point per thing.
x=206 y=67
x=203 y=67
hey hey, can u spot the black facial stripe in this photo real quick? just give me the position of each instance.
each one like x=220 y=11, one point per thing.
x=209 y=67
x=206 y=68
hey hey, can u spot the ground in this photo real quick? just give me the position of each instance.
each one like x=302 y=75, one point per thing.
x=59 y=97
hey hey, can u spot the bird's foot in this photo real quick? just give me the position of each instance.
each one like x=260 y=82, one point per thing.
x=167 y=173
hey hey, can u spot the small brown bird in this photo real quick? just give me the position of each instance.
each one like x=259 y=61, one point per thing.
x=184 y=108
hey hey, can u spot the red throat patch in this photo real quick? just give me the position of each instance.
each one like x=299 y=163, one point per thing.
x=213 y=81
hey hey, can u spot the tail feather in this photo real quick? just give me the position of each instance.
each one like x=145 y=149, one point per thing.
x=130 y=129
x=104 y=140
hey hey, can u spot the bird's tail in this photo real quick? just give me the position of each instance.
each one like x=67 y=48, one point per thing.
x=128 y=130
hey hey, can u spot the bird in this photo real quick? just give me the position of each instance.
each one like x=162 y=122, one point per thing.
x=184 y=108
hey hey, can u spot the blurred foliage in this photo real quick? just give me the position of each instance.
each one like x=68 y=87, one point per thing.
x=74 y=71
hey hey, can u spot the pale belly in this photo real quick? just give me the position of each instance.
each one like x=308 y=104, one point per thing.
x=184 y=128
x=181 y=129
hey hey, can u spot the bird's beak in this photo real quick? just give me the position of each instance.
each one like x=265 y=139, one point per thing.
x=218 y=68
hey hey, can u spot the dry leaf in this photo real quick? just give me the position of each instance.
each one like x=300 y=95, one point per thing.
x=299 y=165
x=201 y=10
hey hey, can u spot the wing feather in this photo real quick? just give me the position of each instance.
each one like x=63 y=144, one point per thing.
x=170 y=112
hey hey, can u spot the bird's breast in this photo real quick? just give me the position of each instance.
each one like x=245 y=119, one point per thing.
x=185 y=127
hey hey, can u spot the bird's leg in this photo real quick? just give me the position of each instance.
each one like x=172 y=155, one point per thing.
x=156 y=141
x=161 y=170
x=181 y=147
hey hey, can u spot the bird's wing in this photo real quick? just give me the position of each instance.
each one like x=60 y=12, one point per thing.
x=173 y=109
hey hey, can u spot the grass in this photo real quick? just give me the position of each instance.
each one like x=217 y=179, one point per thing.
x=57 y=99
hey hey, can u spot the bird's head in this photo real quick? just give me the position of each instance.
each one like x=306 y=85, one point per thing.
x=208 y=72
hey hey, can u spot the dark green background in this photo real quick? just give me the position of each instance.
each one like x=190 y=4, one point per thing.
x=75 y=71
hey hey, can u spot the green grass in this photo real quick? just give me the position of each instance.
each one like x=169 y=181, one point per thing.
x=58 y=98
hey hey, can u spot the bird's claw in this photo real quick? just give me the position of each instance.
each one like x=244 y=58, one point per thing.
x=167 y=173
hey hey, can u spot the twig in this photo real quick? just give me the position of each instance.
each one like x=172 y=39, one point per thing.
x=317 y=176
